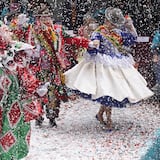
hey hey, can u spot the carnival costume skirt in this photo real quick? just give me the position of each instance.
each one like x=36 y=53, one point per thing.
x=110 y=81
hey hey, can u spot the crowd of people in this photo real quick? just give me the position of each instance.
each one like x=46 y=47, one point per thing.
x=42 y=64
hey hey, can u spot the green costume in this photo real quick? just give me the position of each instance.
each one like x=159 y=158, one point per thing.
x=14 y=131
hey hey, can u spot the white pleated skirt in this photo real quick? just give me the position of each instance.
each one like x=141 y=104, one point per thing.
x=100 y=80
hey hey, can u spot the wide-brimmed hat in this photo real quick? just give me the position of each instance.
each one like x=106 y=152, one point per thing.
x=115 y=16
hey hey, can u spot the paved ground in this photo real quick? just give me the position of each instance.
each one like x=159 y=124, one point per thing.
x=80 y=137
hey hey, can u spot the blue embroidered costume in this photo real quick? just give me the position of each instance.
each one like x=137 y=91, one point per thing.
x=107 y=74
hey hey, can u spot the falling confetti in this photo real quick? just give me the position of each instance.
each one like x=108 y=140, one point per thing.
x=78 y=135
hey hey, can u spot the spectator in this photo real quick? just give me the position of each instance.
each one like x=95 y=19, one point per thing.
x=155 y=47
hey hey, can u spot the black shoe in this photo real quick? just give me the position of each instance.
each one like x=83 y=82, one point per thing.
x=39 y=121
x=52 y=123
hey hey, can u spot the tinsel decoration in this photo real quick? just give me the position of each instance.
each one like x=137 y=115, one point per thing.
x=111 y=36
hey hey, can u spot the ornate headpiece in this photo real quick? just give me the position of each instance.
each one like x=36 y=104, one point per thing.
x=115 y=16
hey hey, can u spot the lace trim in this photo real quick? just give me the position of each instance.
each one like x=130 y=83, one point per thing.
x=116 y=61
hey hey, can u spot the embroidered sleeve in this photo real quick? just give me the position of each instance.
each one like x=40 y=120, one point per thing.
x=128 y=38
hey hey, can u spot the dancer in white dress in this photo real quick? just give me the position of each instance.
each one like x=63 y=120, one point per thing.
x=107 y=74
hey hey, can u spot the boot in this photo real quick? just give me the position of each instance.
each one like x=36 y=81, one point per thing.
x=52 y=112
x=52 y=123
x=39 y=121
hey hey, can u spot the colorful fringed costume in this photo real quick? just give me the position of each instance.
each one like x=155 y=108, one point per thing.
x=51 y=67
